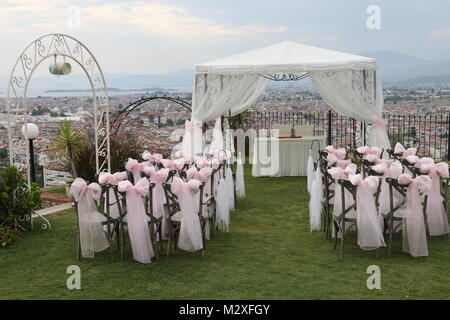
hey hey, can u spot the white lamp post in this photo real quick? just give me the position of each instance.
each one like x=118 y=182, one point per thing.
x=31 y=131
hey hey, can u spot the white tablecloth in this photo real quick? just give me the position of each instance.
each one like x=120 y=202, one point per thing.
x=292 y=157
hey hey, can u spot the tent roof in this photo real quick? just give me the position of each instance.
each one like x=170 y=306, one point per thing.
x=285 y=57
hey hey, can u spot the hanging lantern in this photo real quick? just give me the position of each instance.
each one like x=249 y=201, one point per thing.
x=60 y=68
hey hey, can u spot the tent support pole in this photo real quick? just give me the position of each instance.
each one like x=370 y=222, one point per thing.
x=329 y=128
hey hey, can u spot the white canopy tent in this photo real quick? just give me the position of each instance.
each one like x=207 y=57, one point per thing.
x=350 y=84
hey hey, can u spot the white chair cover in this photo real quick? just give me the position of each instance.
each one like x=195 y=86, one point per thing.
x=92 y=237
x=230 y=188
x=315 y=202
x=240 y=184
x=223 y=208
x=310 y=171
x=141 y=244
x=190 y=238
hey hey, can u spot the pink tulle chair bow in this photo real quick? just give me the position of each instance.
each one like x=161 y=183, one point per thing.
x=370 y=235
x=378 y=122
x=111 y=178
x=400 y=149
x=156 y=157
x=141 y=243
x=423 y=161
x=92 y=237
x=339 y=153
x=339 y=173
x=80 y=188
x=372 y=154
x=190 y=238
x=414 y=233
x=437 y=220
x=135 y=167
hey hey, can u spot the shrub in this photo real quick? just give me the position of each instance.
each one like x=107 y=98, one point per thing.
x=123 y=145
x=15 y=199
x=8 y=235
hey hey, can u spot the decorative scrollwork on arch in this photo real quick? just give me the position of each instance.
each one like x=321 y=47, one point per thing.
x=41 y=49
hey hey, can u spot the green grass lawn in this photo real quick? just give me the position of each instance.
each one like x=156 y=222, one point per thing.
x=268 y=254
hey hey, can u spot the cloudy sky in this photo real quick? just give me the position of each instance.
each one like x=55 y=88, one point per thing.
x=154 y=37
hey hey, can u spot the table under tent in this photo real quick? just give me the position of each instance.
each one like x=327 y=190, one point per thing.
x=350 y=84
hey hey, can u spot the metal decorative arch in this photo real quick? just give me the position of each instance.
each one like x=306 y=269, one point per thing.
x=41 y=49
x=133 y=105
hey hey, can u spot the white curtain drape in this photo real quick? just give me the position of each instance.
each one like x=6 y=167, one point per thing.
x=357 y=94
x=217 y=143
x=214 y=95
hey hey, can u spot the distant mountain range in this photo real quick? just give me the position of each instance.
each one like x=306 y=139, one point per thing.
x=395 y=68
x=399 y=68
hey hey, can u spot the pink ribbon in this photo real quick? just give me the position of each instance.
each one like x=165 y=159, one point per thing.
x=378 y=122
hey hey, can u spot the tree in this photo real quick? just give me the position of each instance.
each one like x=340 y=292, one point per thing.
x=69 y=141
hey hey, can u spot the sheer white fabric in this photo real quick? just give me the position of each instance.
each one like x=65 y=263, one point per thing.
x=310 y=171
x=214 y=94
x=240 y=184
x=92 y=237
x=315 y=201
x=230 y=188
x=192 y=138
x=357 y=94
x=223 y=208
x=217 y=137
